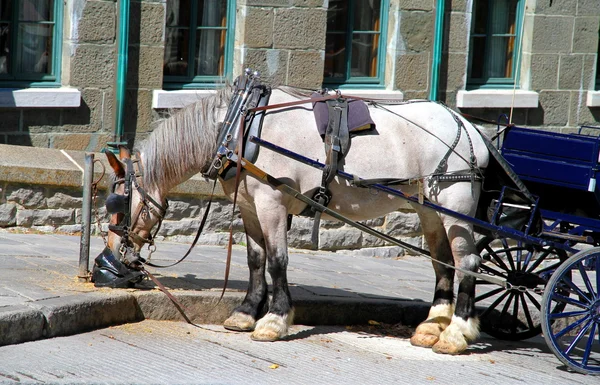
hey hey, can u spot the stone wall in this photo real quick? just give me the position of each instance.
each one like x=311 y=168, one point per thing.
x=52 y=209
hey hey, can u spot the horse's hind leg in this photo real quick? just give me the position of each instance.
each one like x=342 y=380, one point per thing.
x=428 y=332
x=244 y=316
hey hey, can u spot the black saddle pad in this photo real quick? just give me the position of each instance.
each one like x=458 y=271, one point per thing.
x=359 y=118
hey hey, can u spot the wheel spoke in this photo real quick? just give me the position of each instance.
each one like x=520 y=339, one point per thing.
x=515 y=314
x=552 y=267
x=576 y=290
x=533 y=300
x=588 y=345
x=493 y=271
x=489 y=294
x=507 y=305
x=568 y=300
x=571 y=327
x=553 y=316
x=586 y=279
x=578 y=337
x=509 y=256
x=526 y=311
x=494 y=304
x=495 y=257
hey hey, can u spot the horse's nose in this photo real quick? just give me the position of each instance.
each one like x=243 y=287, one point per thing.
x=116 y=203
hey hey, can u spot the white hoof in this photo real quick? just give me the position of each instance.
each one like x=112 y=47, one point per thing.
x=272 y=327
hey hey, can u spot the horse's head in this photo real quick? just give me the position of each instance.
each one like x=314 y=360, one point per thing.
x=134 y=210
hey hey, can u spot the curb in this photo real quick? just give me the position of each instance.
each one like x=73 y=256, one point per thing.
x=75 y=314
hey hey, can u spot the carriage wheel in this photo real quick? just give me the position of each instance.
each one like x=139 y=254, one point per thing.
x=573 y=331
x=513 y=314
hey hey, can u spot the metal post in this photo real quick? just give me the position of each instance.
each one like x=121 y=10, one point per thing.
x=86 y=215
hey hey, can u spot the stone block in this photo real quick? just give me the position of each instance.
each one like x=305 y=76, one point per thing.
x=139 y=101
x=93 y=66
x=259 y=27
x=459 y=32
x=570 y=72
x=36 y=122
x=412 y=72
x=143 y=70
x=544 y=72
x=305 y=69
x=553 y=7
x=71 y=141
x=419 y=5
x=585 y=37
x=340 y=239
x=20 y=324
x=549 y=36
x=88 y=116
x=266 y=3
x=31 y=197
x=8 y=213
x=308 y=3
x=61 y=200
x=271 y=63
x=299 y=28
x=25 y=218
x=589 y=65
x=458 y=6
x=580 y=114
x=98 y=22
x=416 y=31
x=455 y=72
x=10 y=120
x=35 y=140
x=47 y=217
x=149 y=20
x=588 y=8
x=555 y=106
x=401 y=223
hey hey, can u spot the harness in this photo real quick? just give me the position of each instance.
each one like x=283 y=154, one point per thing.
x=116 y=203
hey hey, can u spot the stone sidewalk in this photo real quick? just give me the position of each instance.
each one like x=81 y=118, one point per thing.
x=41 y=296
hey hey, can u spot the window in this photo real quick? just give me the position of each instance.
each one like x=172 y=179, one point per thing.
x=30 y=37
x=355 y=42
x=198 y=46
x=494 y=46
x=598 y=66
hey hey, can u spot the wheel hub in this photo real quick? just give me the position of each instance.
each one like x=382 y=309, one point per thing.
x=529 y=280
x=595 y=311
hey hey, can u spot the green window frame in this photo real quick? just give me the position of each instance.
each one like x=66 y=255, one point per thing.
x=26 y=28
x=598 y=66
x=495 y=43
x=355 y=44
x=193 y=26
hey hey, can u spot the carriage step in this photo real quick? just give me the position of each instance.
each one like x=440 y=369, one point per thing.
x=570 y=237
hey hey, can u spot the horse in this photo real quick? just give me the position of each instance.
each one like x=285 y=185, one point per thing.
x=409 y=141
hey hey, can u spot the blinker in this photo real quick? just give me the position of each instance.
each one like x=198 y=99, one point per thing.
x=116 y=203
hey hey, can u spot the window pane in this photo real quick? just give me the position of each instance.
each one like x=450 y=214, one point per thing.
x=212 y=13
x=35 y=48
x=178 y=13
x=335 y=56
x=364 y=55
x=4 y=47
x=480 y=17
x=176 y=52
x=36 y=10
x=337 y=16
x=500 y=57
x=209 y=55
x=477 y=57
x=503 y=17
x=5 y=10
x=366 y=15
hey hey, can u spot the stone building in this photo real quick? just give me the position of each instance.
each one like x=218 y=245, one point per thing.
x=77 y=74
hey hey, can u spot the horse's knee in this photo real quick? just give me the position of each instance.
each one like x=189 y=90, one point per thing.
x=239 y=322
x=457 y=336
x=272 y=327
x=428 y=332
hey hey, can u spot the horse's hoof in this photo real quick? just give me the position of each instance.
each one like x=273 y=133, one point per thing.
x=264 y=336
x=424 y=340
x=239 y=322
x=445 y=347
x=272 y=327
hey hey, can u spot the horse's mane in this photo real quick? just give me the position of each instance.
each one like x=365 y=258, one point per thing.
x=183 y=144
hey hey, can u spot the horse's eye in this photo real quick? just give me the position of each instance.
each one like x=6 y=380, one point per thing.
x=116 y=203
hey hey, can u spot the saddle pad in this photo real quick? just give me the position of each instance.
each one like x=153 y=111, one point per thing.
x=359 y=118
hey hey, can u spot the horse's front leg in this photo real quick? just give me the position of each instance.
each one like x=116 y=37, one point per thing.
x=274 y=325
x=244 y=316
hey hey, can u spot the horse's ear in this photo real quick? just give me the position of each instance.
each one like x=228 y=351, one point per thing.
x=124 y=152
x=116 y=165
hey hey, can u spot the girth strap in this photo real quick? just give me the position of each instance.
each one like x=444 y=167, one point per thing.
x=337 y=141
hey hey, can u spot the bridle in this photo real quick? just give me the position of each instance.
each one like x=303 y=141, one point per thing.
x=122 y=204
